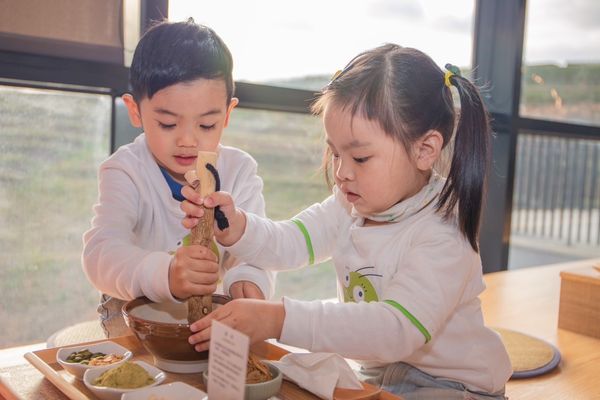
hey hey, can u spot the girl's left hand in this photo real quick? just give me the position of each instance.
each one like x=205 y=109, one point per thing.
x=258 y=319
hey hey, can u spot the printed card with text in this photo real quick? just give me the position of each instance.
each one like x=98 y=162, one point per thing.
x=227 y=362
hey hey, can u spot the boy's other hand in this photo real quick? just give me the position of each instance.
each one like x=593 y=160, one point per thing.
x=192 y=207
x=245 y=289
x=193 y=271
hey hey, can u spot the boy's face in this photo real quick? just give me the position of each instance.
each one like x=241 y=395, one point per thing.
x=181 y=120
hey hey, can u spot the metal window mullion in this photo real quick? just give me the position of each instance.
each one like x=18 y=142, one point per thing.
x=545 y=187
x=595 y=196
x=583 y=216
x=555 y=184
x=520 y=184
x=497 y=48
x=564 y=192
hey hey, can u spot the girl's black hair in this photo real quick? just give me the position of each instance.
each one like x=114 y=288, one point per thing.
x=175 y=52
x=403 y=90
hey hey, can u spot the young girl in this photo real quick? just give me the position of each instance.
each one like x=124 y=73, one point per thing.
x=404 y=240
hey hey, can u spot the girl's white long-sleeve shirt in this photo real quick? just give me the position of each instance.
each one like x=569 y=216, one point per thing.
x=408 y=291
x=137 y=224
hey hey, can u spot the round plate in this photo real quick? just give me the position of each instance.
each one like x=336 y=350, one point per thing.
x=528 y=355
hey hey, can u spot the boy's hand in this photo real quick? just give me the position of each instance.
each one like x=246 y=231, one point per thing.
x=245 y=289
x=193 y=210
x=258 y=319
x=194 y=270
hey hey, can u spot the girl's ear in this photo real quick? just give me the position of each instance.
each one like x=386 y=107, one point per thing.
x=232 y=104
x=428 y=149
x=133 y=110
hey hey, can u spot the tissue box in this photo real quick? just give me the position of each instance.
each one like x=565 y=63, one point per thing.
x=579 y=309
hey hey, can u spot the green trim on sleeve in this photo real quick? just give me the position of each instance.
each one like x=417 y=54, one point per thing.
x=311 y=253
x=411 y=318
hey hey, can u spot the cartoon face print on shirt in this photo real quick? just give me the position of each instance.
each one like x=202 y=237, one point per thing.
x=358 y=287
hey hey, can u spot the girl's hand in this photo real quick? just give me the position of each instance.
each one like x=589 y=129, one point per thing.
x=192 y=207
x=194 y=270
x=245 y=289
x=258 y=319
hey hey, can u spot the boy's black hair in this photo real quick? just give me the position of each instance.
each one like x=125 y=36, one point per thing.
x=174 y=52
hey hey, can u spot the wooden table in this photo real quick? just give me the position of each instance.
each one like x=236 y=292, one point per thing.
x=526 y=300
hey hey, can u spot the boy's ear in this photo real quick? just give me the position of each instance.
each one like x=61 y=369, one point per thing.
x=428 y=149
x=232 y=104
x=132 y=110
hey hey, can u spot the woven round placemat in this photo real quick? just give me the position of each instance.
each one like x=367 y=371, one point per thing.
x=529 y=355
x=78 y=333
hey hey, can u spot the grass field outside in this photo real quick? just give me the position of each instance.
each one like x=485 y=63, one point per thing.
x=51 y=146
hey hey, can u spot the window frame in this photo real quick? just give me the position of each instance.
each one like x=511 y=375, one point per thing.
x=497 y=47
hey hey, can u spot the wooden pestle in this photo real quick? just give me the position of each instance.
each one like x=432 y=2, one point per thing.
x=199 y=306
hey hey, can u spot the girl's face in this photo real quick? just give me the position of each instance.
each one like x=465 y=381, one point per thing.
x=371 y=169
x=181 y=120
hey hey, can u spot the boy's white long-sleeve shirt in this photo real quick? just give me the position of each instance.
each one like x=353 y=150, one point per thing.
x=137 y=224
x=420 y=279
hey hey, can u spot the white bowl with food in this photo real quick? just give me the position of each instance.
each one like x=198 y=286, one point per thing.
x=78 y=359
x=110 y=383
x=263 y=380
x=171 y=391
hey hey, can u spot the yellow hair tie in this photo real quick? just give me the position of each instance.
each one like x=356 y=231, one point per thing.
x=447 y=77
x=451 y=70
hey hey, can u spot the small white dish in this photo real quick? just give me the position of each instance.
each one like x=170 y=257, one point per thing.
x=259 y=391
x=77 y=369
x=171 y=391
x=108 y=393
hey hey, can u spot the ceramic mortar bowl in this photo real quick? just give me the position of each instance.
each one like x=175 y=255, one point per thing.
x=163 y=330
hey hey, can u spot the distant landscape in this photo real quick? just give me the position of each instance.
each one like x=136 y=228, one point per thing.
x=51 y=144
x=570 y=93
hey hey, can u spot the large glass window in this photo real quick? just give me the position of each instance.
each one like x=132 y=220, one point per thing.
x=288 y=149
x=301 y=44
x=51 y=144
x=561 y=61
x=555 y=213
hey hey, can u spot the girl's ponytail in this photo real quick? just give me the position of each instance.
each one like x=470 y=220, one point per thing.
x=466 y=181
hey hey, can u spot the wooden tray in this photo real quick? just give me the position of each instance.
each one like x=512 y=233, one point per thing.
x=45 y=362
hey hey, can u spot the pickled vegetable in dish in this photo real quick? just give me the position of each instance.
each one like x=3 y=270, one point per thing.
x=86 y=357
x=83 y=356
x=257 y=371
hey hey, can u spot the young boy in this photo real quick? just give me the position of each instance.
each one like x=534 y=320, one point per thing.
x=182 y=97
